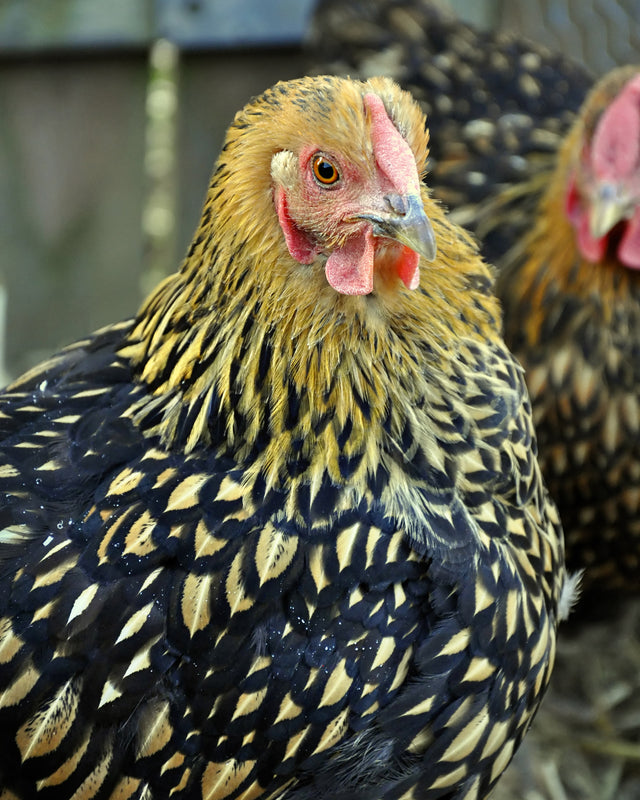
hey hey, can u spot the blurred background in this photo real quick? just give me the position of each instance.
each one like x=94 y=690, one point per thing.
x=111 y=116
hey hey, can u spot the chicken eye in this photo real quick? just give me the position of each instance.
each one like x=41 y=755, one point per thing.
x=324 y=171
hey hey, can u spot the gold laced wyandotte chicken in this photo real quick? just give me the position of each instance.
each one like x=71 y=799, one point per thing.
x=571 y=294
x=548 y=178
x=283 y=534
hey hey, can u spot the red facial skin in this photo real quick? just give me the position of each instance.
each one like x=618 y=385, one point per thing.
x=610 y=167
x=317 y=217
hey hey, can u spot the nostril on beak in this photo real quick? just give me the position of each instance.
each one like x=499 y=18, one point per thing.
x=397 y=203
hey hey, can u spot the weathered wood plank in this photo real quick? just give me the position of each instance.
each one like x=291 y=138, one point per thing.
x=68 y=24
x=71 y=194
x=233 y=23
x=53 y=24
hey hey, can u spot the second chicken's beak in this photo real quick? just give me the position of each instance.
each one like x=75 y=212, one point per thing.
x=606 y=210
x=404 y=222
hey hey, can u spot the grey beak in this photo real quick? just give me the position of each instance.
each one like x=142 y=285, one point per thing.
x=407 y=223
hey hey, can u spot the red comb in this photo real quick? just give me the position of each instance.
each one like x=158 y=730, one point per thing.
x=616 y=142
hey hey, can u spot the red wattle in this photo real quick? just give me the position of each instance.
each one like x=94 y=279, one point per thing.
x=349 y=269
x=408 y=266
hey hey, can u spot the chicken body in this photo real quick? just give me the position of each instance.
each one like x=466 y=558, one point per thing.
x=284 y=533
x=510 y=125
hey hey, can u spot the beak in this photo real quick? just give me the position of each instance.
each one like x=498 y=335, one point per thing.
x=405 y=222
x=607 y=209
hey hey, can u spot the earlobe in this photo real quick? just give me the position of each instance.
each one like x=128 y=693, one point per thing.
x=298 y=244
x=284 y=169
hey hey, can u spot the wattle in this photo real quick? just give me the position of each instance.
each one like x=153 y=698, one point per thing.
x=408 y=267
x=349 y=269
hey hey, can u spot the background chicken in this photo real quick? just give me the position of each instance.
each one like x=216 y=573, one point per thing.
x=571 y=294
x=283 y=532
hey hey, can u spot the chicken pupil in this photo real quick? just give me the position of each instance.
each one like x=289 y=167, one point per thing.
x=326 y=170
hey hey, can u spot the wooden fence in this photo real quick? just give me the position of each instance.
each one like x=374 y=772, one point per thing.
x=75 y=132
x=81 y=155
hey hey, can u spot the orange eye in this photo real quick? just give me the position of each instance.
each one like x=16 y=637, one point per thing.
x=324 y=171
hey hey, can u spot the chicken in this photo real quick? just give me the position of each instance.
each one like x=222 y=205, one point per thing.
x=571 y=292
x=512 y=133
x=283 y=533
